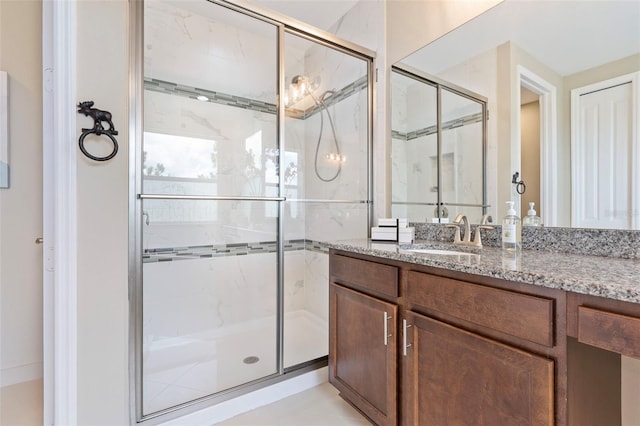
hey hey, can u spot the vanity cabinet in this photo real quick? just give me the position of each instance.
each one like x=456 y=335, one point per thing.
x=599 y=331
x=411 y=347
x=454 y=374
x=362 y=336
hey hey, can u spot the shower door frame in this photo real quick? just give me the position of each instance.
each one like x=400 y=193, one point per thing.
x=284 y=26
x=440 y=84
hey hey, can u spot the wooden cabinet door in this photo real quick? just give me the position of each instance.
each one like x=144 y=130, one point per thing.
x=454 y=377
x=362 y=352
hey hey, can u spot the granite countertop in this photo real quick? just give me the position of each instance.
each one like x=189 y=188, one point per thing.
x=609 y=277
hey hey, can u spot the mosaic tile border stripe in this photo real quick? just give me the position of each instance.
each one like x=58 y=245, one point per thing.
x=340 y=95
x=431 y=130
x=398 y=135
x=225 y=250
x=169 y=88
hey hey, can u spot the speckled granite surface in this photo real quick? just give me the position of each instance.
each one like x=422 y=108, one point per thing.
x=609 y=277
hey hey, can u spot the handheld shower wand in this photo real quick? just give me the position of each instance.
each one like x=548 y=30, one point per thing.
x=302 y=87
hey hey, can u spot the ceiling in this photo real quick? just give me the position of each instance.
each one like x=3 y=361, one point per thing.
x=321 y=14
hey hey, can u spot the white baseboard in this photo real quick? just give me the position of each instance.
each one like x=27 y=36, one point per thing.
x=252 y=400
x=20 y=374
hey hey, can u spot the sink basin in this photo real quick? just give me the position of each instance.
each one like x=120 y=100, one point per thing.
x=441 y=249
x=440 y=252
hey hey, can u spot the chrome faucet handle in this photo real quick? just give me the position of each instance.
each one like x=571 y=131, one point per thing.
x=456 y=235
x=477 y=239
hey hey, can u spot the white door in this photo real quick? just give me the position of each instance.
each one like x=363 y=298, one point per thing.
x=604 y=156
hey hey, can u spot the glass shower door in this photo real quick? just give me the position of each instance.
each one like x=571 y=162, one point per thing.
x=209 y=202
x=326 y=170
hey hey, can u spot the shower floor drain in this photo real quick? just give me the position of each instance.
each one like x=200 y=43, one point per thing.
x=251 y=360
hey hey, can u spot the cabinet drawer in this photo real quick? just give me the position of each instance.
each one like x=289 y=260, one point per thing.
x=520 y=315
x=613 y=332
x=376 y=277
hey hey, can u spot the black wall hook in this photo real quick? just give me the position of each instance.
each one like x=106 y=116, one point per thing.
x=99 y=116
x=521 y=187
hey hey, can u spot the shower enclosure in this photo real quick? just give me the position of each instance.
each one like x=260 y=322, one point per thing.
x=252 y=148
x=438 y=149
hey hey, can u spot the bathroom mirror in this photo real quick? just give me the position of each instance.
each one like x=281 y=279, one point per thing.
x=545 y=50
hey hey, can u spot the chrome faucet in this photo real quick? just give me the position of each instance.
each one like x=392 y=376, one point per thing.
x=477 y=239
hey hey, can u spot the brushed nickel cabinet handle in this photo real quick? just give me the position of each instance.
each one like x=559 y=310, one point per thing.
x=386 y=328
x=405 y=327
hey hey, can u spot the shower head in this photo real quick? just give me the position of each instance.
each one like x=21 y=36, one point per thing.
x=304 y=84
x=299 y=79
x=300 y=87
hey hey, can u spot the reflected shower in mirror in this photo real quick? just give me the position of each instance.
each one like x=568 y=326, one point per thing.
x=437 y=149
x=560 y=52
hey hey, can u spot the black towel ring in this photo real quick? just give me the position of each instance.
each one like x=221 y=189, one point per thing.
x=86 y=132
x=99 y=116
x=521 y=187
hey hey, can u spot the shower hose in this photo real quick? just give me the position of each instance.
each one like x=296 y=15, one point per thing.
x=323 y=107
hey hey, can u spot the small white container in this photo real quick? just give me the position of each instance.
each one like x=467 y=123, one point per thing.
x=402 y=235
x=531 y=219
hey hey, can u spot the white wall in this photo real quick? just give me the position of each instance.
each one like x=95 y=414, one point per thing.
x=102 y=195
x=413 y=24
x=21 y=204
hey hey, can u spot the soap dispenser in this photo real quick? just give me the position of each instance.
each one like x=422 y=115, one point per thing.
x=511 y=230
x=531 y=219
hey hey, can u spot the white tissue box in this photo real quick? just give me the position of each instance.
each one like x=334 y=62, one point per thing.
x=441 y=220
x=391 y=221
x=404 y=235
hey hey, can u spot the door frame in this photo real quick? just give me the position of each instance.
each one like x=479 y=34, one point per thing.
x=548 y=140
x=634 y=79
x=59 y=212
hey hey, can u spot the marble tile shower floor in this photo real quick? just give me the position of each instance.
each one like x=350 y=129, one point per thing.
x=178 y=370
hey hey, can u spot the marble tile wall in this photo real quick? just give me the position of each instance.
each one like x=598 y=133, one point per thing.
x=196 y=291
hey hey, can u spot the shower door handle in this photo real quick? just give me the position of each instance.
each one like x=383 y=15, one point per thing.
x=207 y=197
x=386 y=328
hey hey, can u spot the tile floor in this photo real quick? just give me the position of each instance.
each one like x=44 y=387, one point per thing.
x=318 y=406
x=21 y=404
